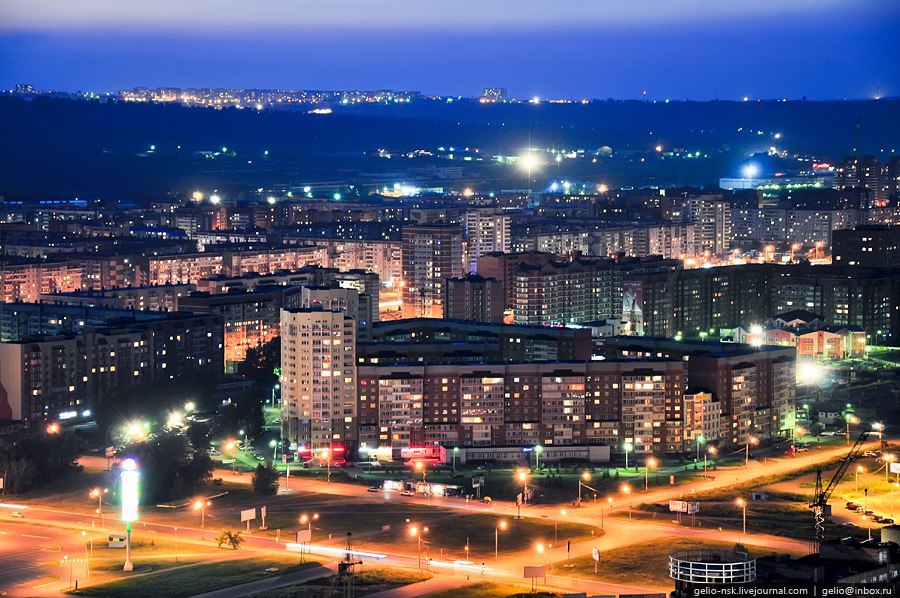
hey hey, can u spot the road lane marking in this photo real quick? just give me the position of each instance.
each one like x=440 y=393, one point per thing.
x=36 y=537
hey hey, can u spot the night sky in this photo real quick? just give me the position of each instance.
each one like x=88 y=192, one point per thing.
x=694 y=49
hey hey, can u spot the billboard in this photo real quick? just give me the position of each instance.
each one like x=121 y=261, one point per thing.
x=683 y=506
x=533 y=571
x=248 y=515
x=632 y=305
x=895 y=467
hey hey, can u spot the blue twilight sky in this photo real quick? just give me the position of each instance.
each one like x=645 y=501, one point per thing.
x=697 y=49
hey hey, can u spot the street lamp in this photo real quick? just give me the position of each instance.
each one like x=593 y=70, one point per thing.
x=700 y=440
x=750 y=440
x=538 y=449
x=627 y=447
x=585 y=477
x=273 y=444
x=859 y=470
x=851 y=419
x=200 y=505
x=743 y=505
x=232 y=446
x=500 y=526
x=327 y=454
x=98 y=494
x=709 y=451
x=562 y=513
x=455 y=452
x=523 y=477
x=53 y=429
x=129 y=481
x=420 y=466
x=651 y=462
x=626 y=490
x=307 y=520
x=414 y=532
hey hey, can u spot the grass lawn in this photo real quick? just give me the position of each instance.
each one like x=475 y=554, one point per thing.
x=487 y=589
x=644 y=564
x=452 y=532
x=365 y=582
x=195 y=579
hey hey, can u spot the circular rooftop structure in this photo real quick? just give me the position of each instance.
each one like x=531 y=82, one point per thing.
x=709 y=566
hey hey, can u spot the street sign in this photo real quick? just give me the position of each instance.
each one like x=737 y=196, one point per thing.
x=283 y=458
x=895 y=467
x=110 y=452
x=595 y=554
x=532 y=572
x=304 y=535
x=693 y=507
x=248 y=515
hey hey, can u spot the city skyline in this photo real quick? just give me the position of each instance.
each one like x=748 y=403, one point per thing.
x=575 y=50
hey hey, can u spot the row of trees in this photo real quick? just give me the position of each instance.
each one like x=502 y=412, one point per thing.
x=37 y=458
x=170 y=467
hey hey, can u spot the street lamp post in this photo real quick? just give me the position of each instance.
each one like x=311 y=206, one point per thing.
x=129 y=483
x=274 y=446
x=700 y=440
x=523 y=477
x=859 y=470
x=232 y=446
x=851 y=419
x=200 y=505
x=455 y=452
x=709 y=451
x=500 y=526
x=626 y=489
x=414 y=531
x=651 y=462
x=562 y=513
x=538 y=449
x=627 y=447
x=743 y=505
x=98 y=494
x=750 y=440
x=586 y=476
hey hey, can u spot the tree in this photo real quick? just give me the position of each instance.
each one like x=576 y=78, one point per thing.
x=229 y=538
x=265 y=479
x=170 y=467
x=37 y=458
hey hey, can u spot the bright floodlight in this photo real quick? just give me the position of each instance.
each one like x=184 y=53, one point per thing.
x=214 y=199
x=750 y=171
x=809 y=373
x=529 y=161
x=271 y=200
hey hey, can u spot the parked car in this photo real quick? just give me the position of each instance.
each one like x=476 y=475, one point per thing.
x=789 y=452
x=869 y=512
x=259 y=457
x=877 y=518
x=852 y=506
x=407 y=493
x=213 y=452
x=373 y=489
x=887 y=521
x=870 y=454
x=17 y=515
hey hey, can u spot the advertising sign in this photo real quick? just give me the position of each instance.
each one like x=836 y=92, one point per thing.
x=248 y=515
x=130 y=480
x=533 y=571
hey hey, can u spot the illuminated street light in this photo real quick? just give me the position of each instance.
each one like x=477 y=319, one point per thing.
x=189 y=406
x=709 y=451
x=627 y=447
x=651 y=462
x=743 y=505
x=98 y=494
x=626 y=490
x=500 y=526
x=859 y=470
x=215 y=200
x=420 y=466
x=53 y=428
x=851 y=419
x=232 y=446
x=522 y=476
x=200 y=505
x=415 y=533
x=750 y=440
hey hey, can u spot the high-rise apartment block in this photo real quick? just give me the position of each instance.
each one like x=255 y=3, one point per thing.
x=432 y=253
x=318 y=378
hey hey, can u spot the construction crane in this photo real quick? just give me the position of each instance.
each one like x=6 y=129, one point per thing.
x=819 y=505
